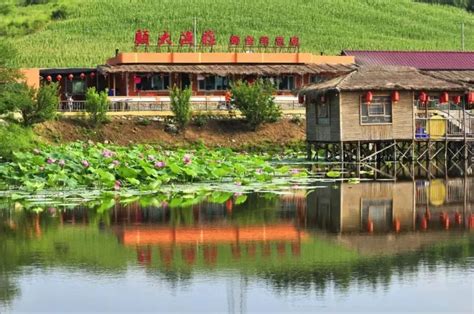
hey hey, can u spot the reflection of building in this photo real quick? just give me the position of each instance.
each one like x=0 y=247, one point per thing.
x=207 y=232
x=392 y=206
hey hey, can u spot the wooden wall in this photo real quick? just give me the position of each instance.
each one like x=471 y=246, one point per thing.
x=400 y=128
x=401 y=193
x=323 y=132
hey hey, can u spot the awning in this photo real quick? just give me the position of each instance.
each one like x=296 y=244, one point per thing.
x=229 y=69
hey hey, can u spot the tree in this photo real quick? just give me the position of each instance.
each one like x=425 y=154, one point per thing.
x=34 y=105
x=97 y=105
x=181 y=105
x=255 y=101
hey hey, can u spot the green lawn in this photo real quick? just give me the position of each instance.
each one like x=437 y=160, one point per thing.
x=94 y=28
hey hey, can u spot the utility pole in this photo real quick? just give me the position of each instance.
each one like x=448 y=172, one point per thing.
x=462 y=36
x=195 y=33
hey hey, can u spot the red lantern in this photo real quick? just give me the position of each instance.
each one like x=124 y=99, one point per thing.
x=301 y=99
x=92 y=75
x=370 y=226
x=470 y=98
x=59 y=77
x=83 y=76
x=444 y=98
x=368 y=97
x=396 y=225
x=424 y=223
x=48 y=78
x=456 y=100
x=423 y=97
x=395 y=96
x=70 y=77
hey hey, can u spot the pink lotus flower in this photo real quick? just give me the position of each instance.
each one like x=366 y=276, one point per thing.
x=237 y=194
x=160 y=164
x=117 y=185
x=187 y=159
x=295 y=171
x=107 y=153
x=115 y=163
x=50 y=160
x=85 y=163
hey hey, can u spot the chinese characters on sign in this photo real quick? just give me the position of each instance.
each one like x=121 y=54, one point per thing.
x=208 y=41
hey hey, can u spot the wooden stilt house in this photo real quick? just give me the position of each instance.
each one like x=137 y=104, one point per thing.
x=385 y=112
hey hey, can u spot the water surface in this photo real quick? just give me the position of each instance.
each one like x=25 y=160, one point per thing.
x=373 y=246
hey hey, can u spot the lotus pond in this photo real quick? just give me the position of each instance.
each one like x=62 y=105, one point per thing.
x=143 y=167
x=269 y=237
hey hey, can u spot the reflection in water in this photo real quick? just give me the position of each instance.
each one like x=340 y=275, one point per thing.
x=337 y=236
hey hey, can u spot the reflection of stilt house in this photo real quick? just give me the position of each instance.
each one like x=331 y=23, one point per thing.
x=380 y=207
x=389 y=113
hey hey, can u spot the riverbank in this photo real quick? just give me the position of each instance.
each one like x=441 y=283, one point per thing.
x=232 y=133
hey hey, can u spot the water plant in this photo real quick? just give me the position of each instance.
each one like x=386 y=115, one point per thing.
x=142 y=167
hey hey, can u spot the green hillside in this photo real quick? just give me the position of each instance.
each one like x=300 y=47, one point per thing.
x=94 y=28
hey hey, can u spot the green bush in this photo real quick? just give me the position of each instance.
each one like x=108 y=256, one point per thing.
x=14 y=138
x=463 y=4
x=60 y=13
x=97 y=105
x=5 y=8
x=255 y=101
x=34 y=105
x=200 y=119
x=33 y=2
x=181 y=106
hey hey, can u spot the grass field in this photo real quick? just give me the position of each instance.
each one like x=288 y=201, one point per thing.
x=94 y=28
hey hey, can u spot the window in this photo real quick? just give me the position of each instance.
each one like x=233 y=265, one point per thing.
x=286 y=82
x=152 y=82
x=378 y=111
x=214 y=82
x=378 y=211
x=322 y=113
x=76 y=87
x=316 y=79
x=283 y=82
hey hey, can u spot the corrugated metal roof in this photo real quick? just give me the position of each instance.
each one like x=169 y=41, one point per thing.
x=223 y=69
x=423 y=60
